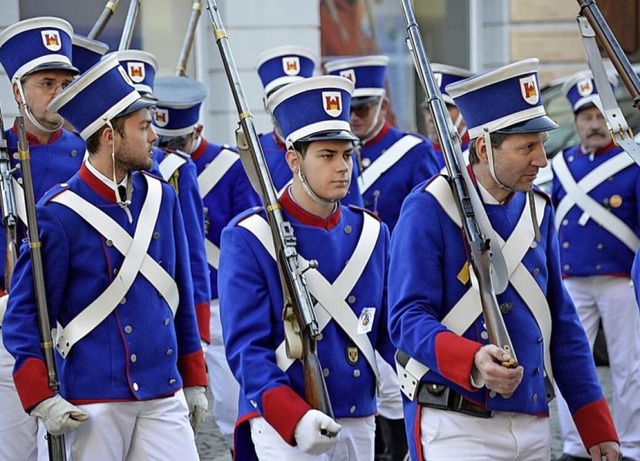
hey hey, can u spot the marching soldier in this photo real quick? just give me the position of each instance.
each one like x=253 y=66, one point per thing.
x=179 y=170
x=225 y=191
x=596 y=193
x=37 y=57
x=466 y=404
x=350 y=247
x=445 y=75
x=391 y=161
x=118 y=285
x=278 y=67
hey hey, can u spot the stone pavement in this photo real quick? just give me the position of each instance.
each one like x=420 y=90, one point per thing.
x=211 y=446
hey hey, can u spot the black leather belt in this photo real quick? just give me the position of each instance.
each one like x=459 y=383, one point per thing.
x=444 y=398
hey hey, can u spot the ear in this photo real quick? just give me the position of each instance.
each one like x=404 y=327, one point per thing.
x=106 y=136
x=481 y=149
x=16 y=94
x=293 y=161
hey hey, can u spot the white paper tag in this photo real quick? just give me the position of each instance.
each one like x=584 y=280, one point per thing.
x=365 y=322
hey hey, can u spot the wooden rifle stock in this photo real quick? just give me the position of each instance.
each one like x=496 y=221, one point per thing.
x=56 y=442
x=296 y=293
x=9 y=211
x=608 y=41
x=181 y=67
x=479 y=248
x=129 y=25
x=103 y=19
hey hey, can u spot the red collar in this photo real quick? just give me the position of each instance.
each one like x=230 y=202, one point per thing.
x=33 y=141
x=96 y=184
x=200 y=150
x=385 y=129
x=304 y=217
x=602 y=150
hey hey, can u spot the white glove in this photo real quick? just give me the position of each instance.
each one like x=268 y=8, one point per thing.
x=198 y=406
x=310 y=430
x=59 y=416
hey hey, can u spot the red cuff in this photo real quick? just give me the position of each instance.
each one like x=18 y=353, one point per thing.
x=595 y=424
x=32 y=383
x=192 y=369
x=282 y=408
x=454 y=356
x=203 y=316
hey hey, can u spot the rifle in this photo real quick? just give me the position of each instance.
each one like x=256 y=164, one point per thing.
x=55 y=442
x=620 y=61
x=477 y=243
x=296 y=294
x=181 y=68
x=129 y=24
x=9 y=210
x=103 y=19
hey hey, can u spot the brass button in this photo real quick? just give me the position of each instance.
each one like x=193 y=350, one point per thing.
x=347 y=229
x=536 y=271
x=169 y=351
x=156 y=235
x=109 y=243
x=74 y=153
x=351 y=299
x=128 y=329
x=134 y=358
x=484 y=335
x=599 y=246
x=356 y=373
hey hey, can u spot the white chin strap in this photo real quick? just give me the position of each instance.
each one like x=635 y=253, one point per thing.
x=307 y=188
x=374 y=124
x=123 y=194
x=458 y=124
x=492 y=169
x=31 y=117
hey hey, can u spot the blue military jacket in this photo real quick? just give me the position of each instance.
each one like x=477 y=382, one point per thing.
x=251 y=306
x=140 y=351
x=427 y=256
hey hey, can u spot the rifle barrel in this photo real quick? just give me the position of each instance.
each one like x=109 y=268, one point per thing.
x=181 y=67
x=129 y=25
x=103 y=19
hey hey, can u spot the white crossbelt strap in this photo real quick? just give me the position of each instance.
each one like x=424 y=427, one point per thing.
x=469 y=307
x=170 y=164
x=389 y=158
x=215 y=171
x=207 y=180
x=21 y=209
x=577 y=194
x=136 y=261
x=331 y=298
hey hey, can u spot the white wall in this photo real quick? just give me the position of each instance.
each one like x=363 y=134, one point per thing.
x=10 y=14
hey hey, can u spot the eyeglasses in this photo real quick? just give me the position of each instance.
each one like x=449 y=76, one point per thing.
x=361 y=111
x=49 y=87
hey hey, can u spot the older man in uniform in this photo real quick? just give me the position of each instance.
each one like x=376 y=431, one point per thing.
x=118 y=286
x=460 y=401
x=37 y=57
x=596 y=192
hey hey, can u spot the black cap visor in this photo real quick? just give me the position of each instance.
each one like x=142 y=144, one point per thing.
x=336 y=135
x=535 y=125
x=53 y=66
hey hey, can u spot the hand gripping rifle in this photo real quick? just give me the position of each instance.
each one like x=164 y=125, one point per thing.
x=181 y=68
x=9 y=210
x=296 y=293
x=103 y=19
x=477 y=243
x=56 y=442
x=129 y=25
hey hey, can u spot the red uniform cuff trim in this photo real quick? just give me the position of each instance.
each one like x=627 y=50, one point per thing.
x=192 y=369
x=454 y=355
x=282 y=408
x=595 y=424
x=32 y=383
x=203 y=316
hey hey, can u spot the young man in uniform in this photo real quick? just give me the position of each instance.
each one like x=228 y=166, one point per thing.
x=225 y=191
x=118 y=289
x=465 y=404
x=391 y=162
x=37 y=57
x=596 y=193
x=277 y=67
x=350 y=247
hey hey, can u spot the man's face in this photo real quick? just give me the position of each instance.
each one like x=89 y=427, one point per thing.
x=430 y=125
x=592 y=128
x=39 y=90
x=327 y=166
x=133 y=151
x=364 y=117
x=519 y=158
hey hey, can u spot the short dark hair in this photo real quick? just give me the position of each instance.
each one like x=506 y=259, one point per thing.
x=94 y=140
x=496 y=141
x=302 y=147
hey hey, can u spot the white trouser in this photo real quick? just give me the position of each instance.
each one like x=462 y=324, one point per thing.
x=150 y=430
x=389 y=398
x=224 y=387
x=449 y=436
x=18 y=430
x=611 y=299
x=355 y=443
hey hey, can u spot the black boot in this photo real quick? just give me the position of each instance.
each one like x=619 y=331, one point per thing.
x=394 y=439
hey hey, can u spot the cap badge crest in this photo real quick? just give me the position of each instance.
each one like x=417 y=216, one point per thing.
x=291 y=65
x=332 y=103
x=529 y=89
x=585 y=87
x=136 y=71
x=350 y=74
x=51 y=40
x=161 y=117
